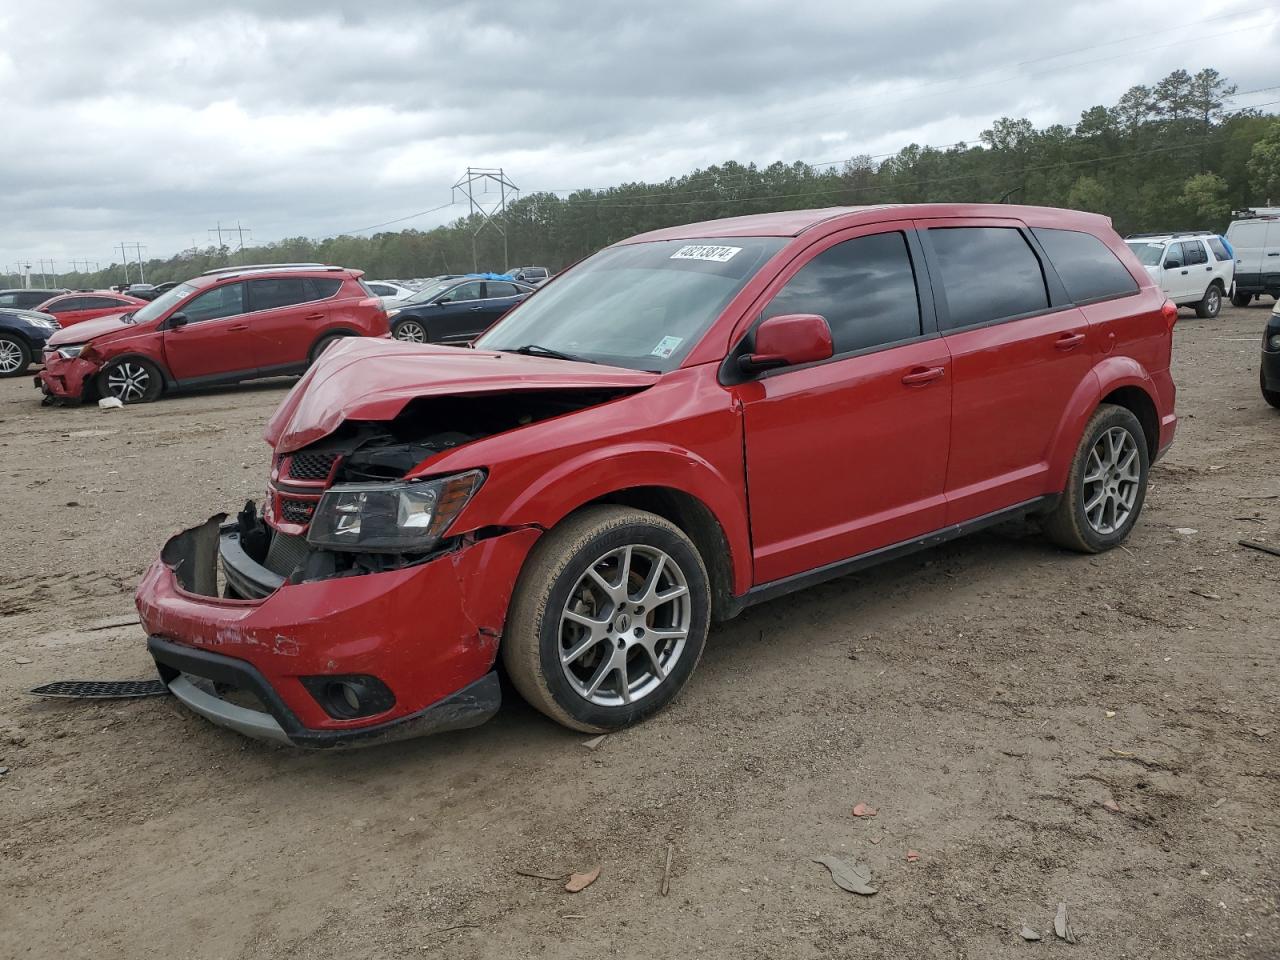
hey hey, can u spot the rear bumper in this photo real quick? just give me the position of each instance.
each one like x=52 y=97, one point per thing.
x=427 y=633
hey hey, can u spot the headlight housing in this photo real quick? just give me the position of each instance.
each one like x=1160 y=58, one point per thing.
x=406 y=517
x=71 y=351
x=393 y=311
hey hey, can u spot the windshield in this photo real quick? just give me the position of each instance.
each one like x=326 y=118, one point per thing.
x=422 y=296
x=161 y=304
x=641 y=305
x=1148 y=253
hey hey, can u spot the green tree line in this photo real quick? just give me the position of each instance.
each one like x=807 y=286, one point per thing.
x=1174 y=155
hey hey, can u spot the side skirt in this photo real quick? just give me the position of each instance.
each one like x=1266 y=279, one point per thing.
x=761 y=593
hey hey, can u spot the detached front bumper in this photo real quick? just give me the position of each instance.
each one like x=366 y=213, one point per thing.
x=423 y=638
x=65 y=379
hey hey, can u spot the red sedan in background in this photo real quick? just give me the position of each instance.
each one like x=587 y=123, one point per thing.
x=72 y=308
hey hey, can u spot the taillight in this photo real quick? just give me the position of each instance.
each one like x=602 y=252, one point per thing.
x=1170 y=311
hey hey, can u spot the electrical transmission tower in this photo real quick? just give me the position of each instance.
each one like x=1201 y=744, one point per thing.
x=137 y=250
x=490 y=203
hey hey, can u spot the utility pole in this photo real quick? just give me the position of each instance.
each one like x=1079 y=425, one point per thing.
x=137 y=252
x=44 y=277
x=240 y=230
x=218 y=231
x=492 y=210
x=124 y=261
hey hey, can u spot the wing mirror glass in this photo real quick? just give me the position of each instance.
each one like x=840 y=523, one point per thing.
x=787 y=341
x=177 y=320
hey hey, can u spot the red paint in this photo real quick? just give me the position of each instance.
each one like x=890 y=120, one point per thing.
x=801 y=467
x=248 y=344
x=73 y=308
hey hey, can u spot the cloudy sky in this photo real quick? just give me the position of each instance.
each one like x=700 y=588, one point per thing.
x=156 y=120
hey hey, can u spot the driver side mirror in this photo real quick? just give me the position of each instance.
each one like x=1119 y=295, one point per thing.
x=177 y=320
x=1172 y=263
x=787 y=341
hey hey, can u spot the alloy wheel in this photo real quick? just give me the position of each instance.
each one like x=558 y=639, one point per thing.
x=128 y=381
x=411 y=332
x=10 y=356
x=625 y=625
x=1213 y=301
x=1111 y=481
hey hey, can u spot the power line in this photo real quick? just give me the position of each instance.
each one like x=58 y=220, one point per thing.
x=387 y=223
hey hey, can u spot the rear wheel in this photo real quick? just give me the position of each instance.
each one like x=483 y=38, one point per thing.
x=608 y=620
x=1241 y=299
x=15 y=355
x=323 y=344
x=1106 y=486
x=131 y=380
x=1210 y=304
x=410 y=331
x=1271 y=396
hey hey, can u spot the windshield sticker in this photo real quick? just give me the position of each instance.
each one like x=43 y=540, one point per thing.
x=703 y=251
x=667 y=345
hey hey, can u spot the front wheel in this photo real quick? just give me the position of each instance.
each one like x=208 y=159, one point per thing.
x=410 y=331
x=15 y=355
x=1271 y=396
x=1210 y=304
x=1106 y=486
x=132 y=380
x=608 y=620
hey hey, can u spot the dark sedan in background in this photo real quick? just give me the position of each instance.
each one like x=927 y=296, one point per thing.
x=24 y=298
x=456 y=310
x=22 y=338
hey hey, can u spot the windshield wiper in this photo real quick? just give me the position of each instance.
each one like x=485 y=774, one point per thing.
x=538 y=350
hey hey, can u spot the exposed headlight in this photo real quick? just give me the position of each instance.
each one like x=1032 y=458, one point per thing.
x=406 y=517
x=71 y=351
x=44 y=323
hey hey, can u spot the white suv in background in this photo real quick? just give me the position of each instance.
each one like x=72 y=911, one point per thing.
x=1193 y=269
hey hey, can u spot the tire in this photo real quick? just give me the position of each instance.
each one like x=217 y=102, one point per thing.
x=1241 y=299
x=1271 y=396
x=15 y=355
x=321 y=345
x=1210 y=304
x=1072 y=524
x=410 y=331
x=131 y=380
x=557 y=595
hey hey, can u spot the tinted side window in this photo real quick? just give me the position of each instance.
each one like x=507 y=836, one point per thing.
x=1219 y=249
x=69 y=304
x=1193 y=253
x=495 y=289
x=274 y=292
x=226 y=301
x=989 y=273
x=865 y=287
x=321 y=288
x=104 y=303
x=464 y=291
x=1088 y=268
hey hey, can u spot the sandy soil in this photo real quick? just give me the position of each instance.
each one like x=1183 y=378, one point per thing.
x=984 y=698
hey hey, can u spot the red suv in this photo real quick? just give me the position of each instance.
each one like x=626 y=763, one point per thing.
x=685 y=424
x=226 y=325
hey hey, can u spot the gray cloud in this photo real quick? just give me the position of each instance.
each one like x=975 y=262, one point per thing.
x=152 y=121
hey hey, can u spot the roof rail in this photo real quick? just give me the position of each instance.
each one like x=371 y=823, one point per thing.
x=269 y=266
x=1172 y=234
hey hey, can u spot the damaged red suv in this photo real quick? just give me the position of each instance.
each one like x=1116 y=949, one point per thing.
x=224 y=326
x=687 y=423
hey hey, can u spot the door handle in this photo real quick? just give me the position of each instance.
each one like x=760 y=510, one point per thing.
x=1269 y=255
x=922 y=375
x=1184 y=273
x=238 y=326
x=314 y=316
x=1069 y=341
x=474 y=309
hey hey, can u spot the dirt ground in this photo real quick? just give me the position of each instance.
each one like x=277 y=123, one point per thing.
x=985 y=699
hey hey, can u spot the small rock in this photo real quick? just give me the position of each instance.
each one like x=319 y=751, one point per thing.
x=593 y=742
x=1062 y=925
x=863 y=810
x=1031 y=936
x=3 y=771
x=1110 y=714
x=1186 y=531
x=23 y=660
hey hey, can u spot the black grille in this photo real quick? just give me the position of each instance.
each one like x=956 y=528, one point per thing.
x=311 y=466
x=296 y=511
x=102 y=689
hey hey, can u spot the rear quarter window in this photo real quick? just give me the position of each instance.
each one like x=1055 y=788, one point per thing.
x=1086 y=265
x=1219 y=249
x=988 y=273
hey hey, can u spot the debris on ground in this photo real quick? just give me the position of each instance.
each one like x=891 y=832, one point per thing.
x=1030 y=935
x=1062 y=924
x=23 y=661
x=593 y=742
x=863 y=810
x=666 y=871
x=580 y=881
x=913 y=856
x=1255 y=545
x=113 y=623
x=1110 y=714
x=1204 y=593
x=1186 y=531
x=539 y=874
x=110 y=403
x=1110 y=804
x=4 y=771
x=1219 y=802
x=856 y=877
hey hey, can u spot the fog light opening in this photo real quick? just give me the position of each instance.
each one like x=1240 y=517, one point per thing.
x=350 y=697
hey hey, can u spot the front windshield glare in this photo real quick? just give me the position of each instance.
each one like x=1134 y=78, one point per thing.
x=1148 y=253
x=422 y=296
x=641 y=305
x=158 y=306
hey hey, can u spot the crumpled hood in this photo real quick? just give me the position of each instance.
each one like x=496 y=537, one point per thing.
x=366 y=378
x=88 y=329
